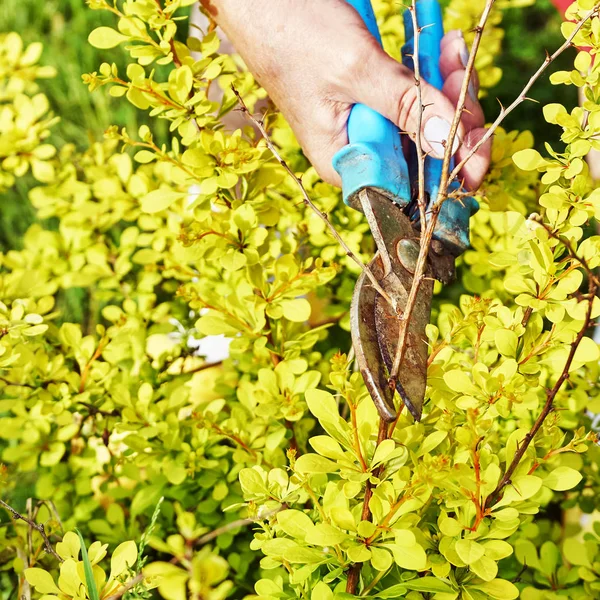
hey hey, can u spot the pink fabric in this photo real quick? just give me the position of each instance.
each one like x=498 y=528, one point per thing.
x=562 y=5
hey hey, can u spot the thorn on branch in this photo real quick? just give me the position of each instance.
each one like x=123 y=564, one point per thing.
x=504 y=112
x=39 y=527
x=307 y=200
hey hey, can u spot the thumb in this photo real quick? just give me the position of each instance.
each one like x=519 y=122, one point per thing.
x=390 y=88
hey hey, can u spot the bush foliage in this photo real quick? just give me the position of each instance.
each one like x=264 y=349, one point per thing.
x=252 y=476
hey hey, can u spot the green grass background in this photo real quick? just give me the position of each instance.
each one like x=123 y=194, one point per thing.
x=63 y=27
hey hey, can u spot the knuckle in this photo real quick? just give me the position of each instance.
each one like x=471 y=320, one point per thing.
x=406 y=105
x=356 y=62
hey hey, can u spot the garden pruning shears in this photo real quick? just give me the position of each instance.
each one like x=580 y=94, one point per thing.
x=378 y=180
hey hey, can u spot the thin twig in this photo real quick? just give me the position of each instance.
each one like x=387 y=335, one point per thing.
x=86 y=370
x=211 y=535
x=306 y=198
x=354 y=571
x=420 y=108
x=448 y=176
x=203 y=367
x=572 y=254
x=549 y=404
x=39 y=527
x=128 y=586
x=504 y=112
x=31 y=517
x=427 y=228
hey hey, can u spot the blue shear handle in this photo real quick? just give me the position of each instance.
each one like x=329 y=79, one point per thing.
x=429 y=18
x=452 y=228
x=373 y=158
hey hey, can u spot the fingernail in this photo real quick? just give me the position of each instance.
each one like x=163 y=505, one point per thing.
x=464 y=53
x=472 y=91
x=436 y=133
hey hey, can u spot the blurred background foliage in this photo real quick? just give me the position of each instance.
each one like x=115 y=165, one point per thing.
x=63 y=27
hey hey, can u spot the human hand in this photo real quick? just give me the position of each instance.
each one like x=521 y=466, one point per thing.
x=317 y=59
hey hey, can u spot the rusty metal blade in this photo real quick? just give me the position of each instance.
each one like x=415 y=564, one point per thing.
x=366 y=343
x=411 y=382
x=390 y=226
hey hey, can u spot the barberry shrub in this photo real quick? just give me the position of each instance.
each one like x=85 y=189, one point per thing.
x=259 y=473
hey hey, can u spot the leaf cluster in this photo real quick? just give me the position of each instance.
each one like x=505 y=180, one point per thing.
x=274 y=475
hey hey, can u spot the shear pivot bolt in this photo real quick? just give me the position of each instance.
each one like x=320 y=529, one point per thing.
x=437 y=246
x=408 y=254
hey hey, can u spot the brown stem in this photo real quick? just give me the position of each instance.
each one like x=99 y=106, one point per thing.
x=523 y=95
x=86 y=370
x=306 y=198
x=203 y=367
x=126 y=587
x=358 y=449
x=174 y=53
x=211 y=535
x=388 y=518
x=39 y=527
x=354 y=571
x=31 y=517
x=447 y=177
x=394 y=423
x=548 y=405
x=427 y=234
x=418 y=142
x=480 y=512
x=526 y=316
x=573 y=255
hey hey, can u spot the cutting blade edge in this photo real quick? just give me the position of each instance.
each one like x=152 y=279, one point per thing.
x=390 y=226
x=411 y=381
x=366 y=343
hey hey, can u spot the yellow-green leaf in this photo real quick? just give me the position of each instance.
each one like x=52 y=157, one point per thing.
x=296 y=310
x=506 y=342
x=587 y=351
x=528 y=159
x=295 y=523
x=41 y=580
x=484 y=567
x=412 y=557
x=321 y=591
x=160 y=199
x=123 y=557
x=322 y=405
x=499 y=589
x=381 y=559
x=105 y=37
x=563 y=478
x=323 y=534
x=469 y=551
x=313 y=463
